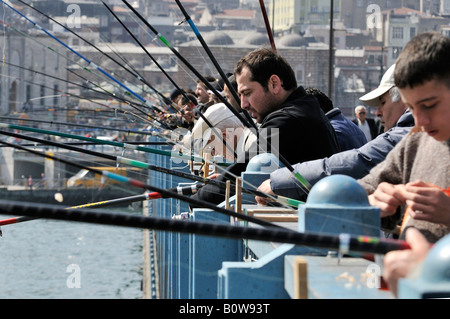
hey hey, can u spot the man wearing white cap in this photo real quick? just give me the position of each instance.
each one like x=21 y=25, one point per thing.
x=397 y=121
x=225 y=123
x=380 y=98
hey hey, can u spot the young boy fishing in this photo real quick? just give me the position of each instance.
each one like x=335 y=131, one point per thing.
x=411 y=187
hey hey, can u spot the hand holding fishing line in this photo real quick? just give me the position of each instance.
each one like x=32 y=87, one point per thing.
x=426 y=202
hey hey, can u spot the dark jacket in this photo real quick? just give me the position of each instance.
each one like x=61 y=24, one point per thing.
x=355 y=163
x=304 y=133
x=348 y=134
x=374 y=128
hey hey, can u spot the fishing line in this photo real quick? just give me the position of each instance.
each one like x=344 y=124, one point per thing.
x=122 y=160
x=107 y=203
x=281 y=200
x=306 y=185
x=219 y=135
x=101 y=77
x=175 y=51
x=139 y=184
x=90 y=63
x=136 y=74
x=344 y=243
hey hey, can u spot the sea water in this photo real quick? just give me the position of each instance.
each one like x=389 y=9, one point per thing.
x=55 y=259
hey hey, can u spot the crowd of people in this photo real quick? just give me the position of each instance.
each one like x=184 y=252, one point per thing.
x=402 y=162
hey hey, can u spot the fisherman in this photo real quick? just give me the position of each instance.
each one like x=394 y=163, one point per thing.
x=398 y=122
x=203 y=98
x=348 y=134
x=284 y=112
x=415 y=174
x=367 y=125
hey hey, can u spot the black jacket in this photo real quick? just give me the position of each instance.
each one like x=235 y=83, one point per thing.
x=373 y=126
x=304 y=134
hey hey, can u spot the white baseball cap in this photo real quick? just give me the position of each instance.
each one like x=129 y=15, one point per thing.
x=387 y=82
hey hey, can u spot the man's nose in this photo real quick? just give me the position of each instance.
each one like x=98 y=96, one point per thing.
x=244 y=103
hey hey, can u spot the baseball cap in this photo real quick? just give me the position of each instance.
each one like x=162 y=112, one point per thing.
x=386 y=83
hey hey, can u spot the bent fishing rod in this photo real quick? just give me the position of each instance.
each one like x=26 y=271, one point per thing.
x=115 y=129
x=90 y=63
x=280 y=199
x=304 y=184
x=139 y=164
x=131 y=104
x=139 y=184
x=108 y=203
x=104 y=91
x=344 y=243
x=111 y=143
x=191 y=68
x=170 y=79
x=135 y=74
x=64 y=57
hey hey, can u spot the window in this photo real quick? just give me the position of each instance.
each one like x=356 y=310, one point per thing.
x=396 y=51
x=397 y=33
x=412 y=32
x=299 y=74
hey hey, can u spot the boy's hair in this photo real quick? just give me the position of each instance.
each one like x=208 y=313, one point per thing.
x=425 y=57
x=263 y=63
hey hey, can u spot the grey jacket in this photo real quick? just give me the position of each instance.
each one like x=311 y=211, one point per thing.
x=355 y=163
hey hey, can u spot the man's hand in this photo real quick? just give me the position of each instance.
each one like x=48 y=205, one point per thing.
x=399 y=263
x=265 y=188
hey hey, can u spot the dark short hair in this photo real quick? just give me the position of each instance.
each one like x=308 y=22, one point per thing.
x=188 y=97
x=263 y=63
x=425 y=57
x=208 y=78
x=325 y=103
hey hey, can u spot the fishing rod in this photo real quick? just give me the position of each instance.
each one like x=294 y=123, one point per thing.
x=135 y=74
x=218 y=134
x=344 y=243
x=111 y=143
x=135 y=163
x=304 y=184
x=139 y=184
x=135 y=131
x=281 y=199
x=114 y=96
x=90 y=63
x=213 y=59
x=266 y=22
x=109 y=94
x=107 y=203
x=201 y=77
x=59 y=54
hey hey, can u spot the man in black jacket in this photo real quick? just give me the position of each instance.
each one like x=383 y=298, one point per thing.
x=291 y=120
x=367 y=125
